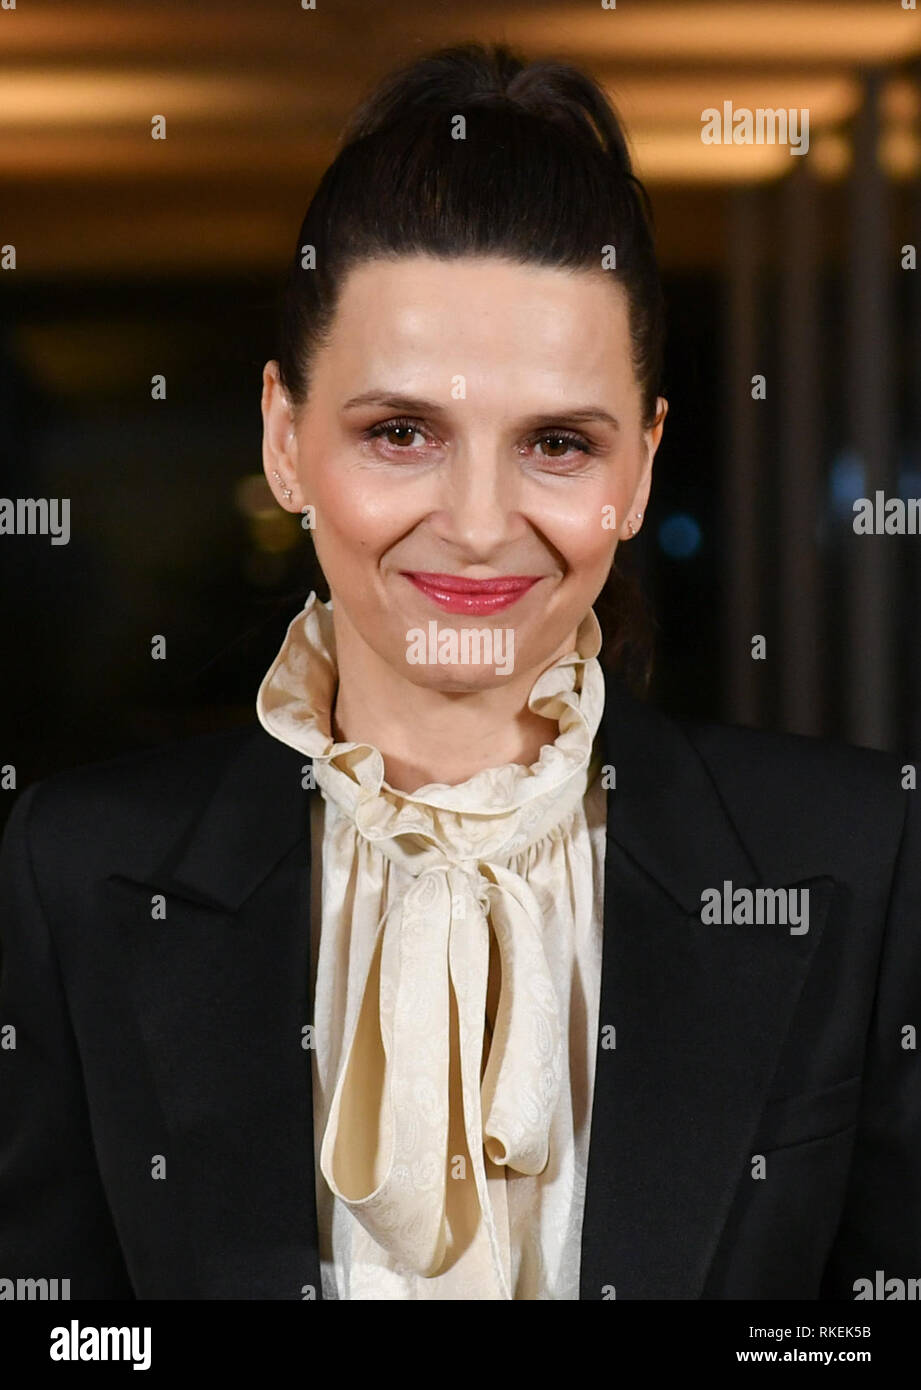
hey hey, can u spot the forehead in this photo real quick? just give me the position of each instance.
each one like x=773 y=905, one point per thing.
x=425 y=319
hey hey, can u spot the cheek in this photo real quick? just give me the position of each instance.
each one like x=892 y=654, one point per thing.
x=584 y=529
x=356 y=511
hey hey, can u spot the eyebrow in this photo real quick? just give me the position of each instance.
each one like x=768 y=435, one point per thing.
x=415 y=405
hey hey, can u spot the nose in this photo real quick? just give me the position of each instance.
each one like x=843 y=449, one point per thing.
x=479 y=512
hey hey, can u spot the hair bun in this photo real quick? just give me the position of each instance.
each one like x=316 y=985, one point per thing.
x=453 y=79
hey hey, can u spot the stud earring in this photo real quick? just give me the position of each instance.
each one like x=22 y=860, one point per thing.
x=630 y=526
x=285 y=491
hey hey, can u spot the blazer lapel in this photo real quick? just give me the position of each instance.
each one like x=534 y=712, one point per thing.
x=699 y=1012
x=221 y=986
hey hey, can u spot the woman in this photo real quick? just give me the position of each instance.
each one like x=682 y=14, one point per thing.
x=464 y=973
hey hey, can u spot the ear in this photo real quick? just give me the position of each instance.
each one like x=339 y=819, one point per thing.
x=279 y=441
x=651 y=440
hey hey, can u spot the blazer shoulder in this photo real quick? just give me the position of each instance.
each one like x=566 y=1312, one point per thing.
x=795 y=759
x=803 y=789
x=129 y=809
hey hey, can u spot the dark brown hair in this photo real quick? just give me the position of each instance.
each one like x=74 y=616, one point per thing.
x=542 y=176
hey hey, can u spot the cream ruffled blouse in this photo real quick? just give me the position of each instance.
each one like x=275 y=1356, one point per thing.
x=456 y=961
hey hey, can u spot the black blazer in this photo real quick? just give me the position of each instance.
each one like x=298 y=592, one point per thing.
x=138 y=1037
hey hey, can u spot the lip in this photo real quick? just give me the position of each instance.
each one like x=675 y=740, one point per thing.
x=457 y=594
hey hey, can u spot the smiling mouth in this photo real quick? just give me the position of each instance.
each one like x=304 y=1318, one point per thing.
x=456 y=594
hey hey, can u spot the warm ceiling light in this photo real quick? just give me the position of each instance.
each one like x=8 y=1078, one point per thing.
x=670 y=100
x=43 y=97
x=850 y=32
x=680 y=157
x=103 y=154
x=46 y=97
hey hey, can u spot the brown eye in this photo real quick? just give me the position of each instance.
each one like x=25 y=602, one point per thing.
x=397 y=433
x=561 y=444
x=400 y=434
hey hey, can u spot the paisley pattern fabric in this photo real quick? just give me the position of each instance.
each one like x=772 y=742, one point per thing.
x=456 y=981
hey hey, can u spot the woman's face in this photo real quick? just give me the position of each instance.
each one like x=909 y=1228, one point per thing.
x=468 y=420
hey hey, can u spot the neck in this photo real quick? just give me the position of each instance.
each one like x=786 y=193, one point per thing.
x=427 y=735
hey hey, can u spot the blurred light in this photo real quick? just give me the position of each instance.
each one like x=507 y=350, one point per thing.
x=900 y=152
x=680 y=536
x=901 y=100
x=734 y=34
x=846 y=482
x=254 y=497
x=909 y=482
x=679 y=99
x=272 y=530
x=680 y=156
x=830 y=155
x=44 y=97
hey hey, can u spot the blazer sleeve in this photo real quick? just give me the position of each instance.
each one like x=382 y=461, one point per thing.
x=54 y=1219
x=881 y=1223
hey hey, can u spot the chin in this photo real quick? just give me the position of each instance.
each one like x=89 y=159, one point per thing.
x=457 y=680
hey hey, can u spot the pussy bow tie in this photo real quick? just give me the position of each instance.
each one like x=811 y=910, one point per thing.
x=434 y=941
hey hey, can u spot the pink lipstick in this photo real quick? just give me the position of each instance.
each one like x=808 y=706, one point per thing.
x=455 y=594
